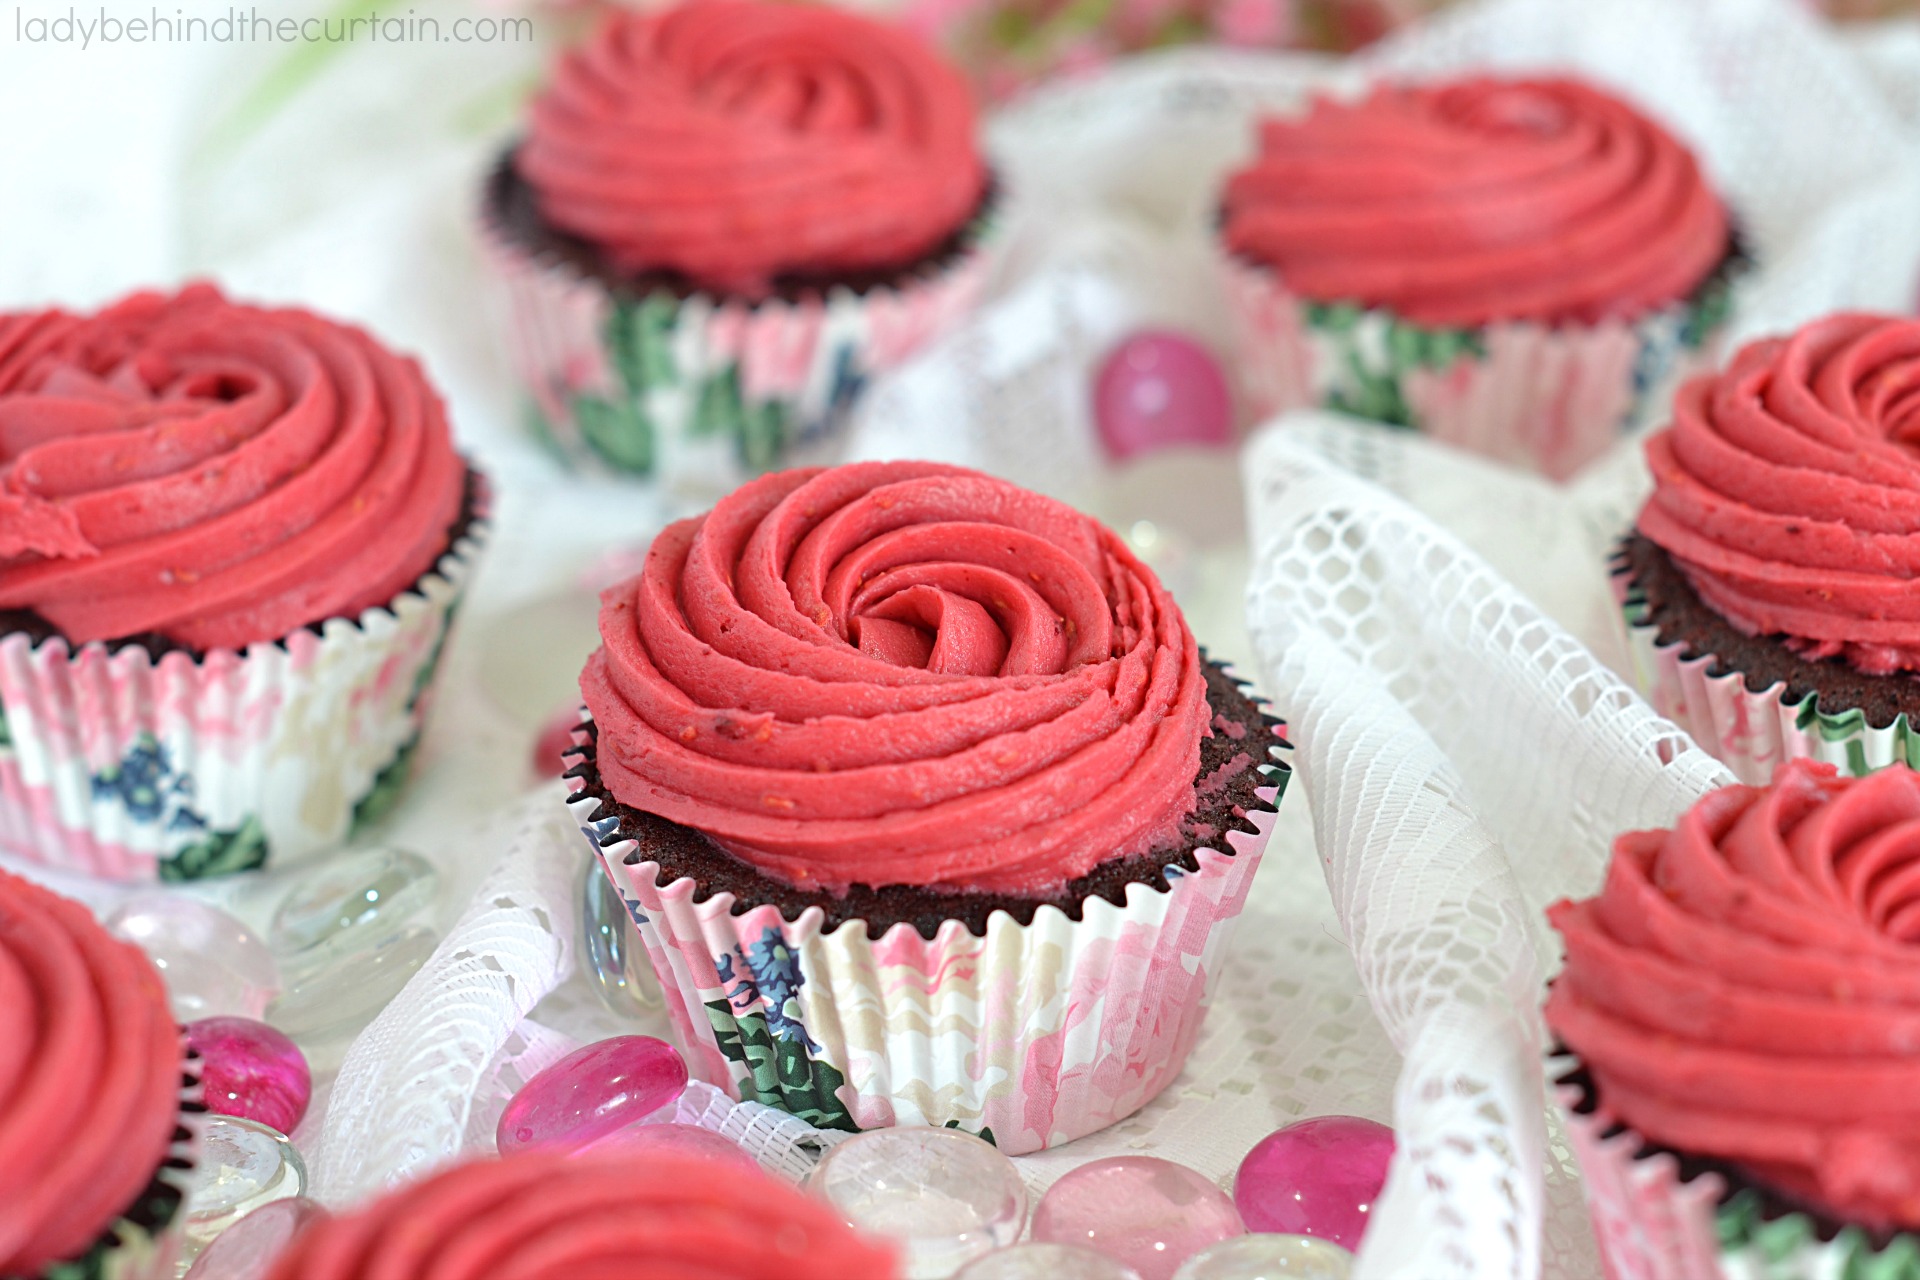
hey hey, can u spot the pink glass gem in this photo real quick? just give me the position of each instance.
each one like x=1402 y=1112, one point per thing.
x=1148 y=1213
x=592 y=1092
x=681 y=1139
x=1316 y=1178
x=1159 y=388
x=555 y=738
x=248 y=1249
x=251 y=1071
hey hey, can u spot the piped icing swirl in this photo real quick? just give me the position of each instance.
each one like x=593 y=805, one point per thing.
x=1787 y=489
x=1746 y=986
x=546 y=1216
x=900 y=674
x=734 y=141
x=90 y=1078
x=1473 y=201
x=215 y=473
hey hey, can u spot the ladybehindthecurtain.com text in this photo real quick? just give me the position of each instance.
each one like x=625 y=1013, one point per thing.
x=250 y=26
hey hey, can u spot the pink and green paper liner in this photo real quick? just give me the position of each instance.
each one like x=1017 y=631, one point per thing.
x=700 y=394
x=1031 y=1036
x=1751 y=732
x=122 y=766
x=1548 y=399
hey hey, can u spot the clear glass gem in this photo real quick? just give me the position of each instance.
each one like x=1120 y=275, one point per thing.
x=213 y=964
x=1149 y=1213
x=242 y=1165
x=616 y=958
x=1318 y=1177
x=246 y=1250
x=331 y=1001
x=1045 y=1262
x=945 y=1196
x=354 y=901
x=1269 y=1257
x=592 y=1092
x=251 y=1071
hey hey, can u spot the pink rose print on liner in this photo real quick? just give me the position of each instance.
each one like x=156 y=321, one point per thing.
x=726 y=334
x=30 y=823
x=1276 y=354
x=779 y=350
x=869 y=1111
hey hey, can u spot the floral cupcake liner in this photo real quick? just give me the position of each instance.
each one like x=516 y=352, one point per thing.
x=1747 y=731
x=1658 y=1217
x=1029 y=1036
x=700 y=393
x=118 y=764
x=1546 y=398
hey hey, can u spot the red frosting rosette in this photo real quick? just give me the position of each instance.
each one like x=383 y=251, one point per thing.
x=735 y=141
x=1787 y=490
x=90 y=1078
x=591 y=1217
x=1745 y=987
x=900 y=673
x=1473 y=201
x=216 y=473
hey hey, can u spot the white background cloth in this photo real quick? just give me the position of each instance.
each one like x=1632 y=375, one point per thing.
x=1466 y=754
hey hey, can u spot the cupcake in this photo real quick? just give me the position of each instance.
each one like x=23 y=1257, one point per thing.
x=722 y=220
x=547 y=1216
x=1516 y=267
x=231 y=543
x=926 y=804
x=1768 y=585
x=1741 y=1003
x=98 y=1105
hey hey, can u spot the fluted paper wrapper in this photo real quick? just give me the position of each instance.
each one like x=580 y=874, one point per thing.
x=1031 y=1036
x=700 y=394
x=1652 y=1223
x=126 y=767
x=1546 y=398
x=1751 y=732
x=131 y=1250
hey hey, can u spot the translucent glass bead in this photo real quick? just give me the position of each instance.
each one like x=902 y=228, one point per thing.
x=251 y=1071
x=616 y=958
x=247 y=1249
x=1318 y=1177
x=330 y=1001
x=212 y=963
x=1045 y=1262
x=355 y=901
x=947 y=1197
x=1149 y=1213
x=242 y=1165
x=1268 y=1257
x=1159 y=388
x=681 y=1139
x=592 y=1092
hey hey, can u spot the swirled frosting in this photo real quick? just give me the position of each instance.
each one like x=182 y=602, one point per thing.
x=734 y=141
x=90 y=1064
x=900 y=674
x=1747 y=986
x=1787 y=489
x=1472 y=201
x=545 y=1216
x=216 y=473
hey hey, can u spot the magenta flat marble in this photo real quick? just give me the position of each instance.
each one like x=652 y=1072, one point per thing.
x=251 y=1071
x=555 y=737
x=592 y=1092
x=1318 y=1177
x=1159 y=388
x=680 y=1139
x=1148 y=1213
x=247 y=1249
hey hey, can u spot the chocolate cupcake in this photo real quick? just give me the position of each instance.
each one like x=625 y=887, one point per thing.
x=99 y=1105
x=1768 y=585
x=926 y=803
x=1517 y=267
x=722 y=220
x=543 y=1216
x=231 y=543
x=1742 y=1006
